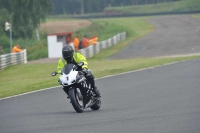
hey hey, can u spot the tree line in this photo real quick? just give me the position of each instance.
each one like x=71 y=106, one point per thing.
x=26 y=15
x=95 y=6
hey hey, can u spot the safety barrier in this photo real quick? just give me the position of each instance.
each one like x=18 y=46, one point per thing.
x=21 y=57
x=94 y=49
x=13 y=59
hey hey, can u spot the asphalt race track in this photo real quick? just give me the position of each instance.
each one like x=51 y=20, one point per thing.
x=163 y=99
x=158 y=100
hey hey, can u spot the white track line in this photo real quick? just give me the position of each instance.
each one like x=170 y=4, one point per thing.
x=96 y=79
x=28 y=93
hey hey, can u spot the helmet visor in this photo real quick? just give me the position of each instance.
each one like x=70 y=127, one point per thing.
x=67 y=54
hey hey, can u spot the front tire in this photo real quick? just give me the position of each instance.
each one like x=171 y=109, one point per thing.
x=75 y=101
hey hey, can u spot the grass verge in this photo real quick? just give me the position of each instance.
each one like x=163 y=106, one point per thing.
x=196 y=16
x=29 y=77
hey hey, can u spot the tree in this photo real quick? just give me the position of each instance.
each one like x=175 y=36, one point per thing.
x=4 y=17
x=94 y=6
x=26 y=15
x=4 y=38
x=82 y=7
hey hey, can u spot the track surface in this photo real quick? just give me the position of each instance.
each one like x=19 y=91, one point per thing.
x=160 y=100
x=174 y=35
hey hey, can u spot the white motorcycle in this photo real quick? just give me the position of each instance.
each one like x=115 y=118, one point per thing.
x=78 y=88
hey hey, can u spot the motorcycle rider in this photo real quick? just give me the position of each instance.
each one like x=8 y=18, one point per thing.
x=70 y=56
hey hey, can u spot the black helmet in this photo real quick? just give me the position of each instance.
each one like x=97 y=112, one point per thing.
x=67 y=52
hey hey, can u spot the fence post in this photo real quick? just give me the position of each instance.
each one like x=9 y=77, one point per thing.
x=25 y=56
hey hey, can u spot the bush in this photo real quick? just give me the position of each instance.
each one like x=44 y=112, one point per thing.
x=5 y=44
x=37 y=51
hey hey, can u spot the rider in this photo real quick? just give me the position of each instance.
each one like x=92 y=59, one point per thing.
x=69 y=56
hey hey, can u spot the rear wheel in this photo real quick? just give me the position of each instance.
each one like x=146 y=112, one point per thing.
x=97 y=105
x=77 y=103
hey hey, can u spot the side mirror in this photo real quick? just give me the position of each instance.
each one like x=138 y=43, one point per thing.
x=75 y=67
x=80 y=64
x=53 y=73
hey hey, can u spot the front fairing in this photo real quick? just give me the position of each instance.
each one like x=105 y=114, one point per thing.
x=68 y=76
x=68 y=79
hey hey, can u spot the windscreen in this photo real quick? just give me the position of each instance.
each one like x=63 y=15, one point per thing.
x=67 y=68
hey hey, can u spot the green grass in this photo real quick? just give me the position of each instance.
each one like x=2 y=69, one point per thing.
x=24 y=78
x=183 y=5
x=196 y=16
x=102 y=29
x=135 y=27
x=29 y=77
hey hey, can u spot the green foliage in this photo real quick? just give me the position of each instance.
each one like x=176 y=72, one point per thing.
x=176 y=6
x=96 y=6
x=5 y=44
x=25 y=15
x=4 y=17
x=37 y=51
x=4 y=35
x=26 y=21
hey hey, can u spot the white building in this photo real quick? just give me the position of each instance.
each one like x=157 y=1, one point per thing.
x=56 y=42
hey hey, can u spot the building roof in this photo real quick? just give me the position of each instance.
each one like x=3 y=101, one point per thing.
x=61 y=34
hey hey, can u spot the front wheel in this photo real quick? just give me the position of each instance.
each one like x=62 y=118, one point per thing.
x=75 y=100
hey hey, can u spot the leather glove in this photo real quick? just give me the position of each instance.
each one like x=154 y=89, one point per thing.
x=85 y=71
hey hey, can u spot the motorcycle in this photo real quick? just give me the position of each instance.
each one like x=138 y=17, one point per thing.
x=78 y=88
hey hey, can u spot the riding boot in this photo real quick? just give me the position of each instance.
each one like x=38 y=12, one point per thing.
x=90 y=77
x=96 y=91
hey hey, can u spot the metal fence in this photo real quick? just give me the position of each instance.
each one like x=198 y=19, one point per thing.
x=13 y=59
x=94 y=49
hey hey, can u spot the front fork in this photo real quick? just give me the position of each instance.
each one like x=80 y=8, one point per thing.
x=79 y=94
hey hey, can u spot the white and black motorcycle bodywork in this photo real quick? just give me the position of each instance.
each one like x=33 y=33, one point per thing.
x=78 y=88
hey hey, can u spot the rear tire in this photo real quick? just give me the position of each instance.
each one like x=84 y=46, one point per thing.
x=74 y=100
x=97 y=105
